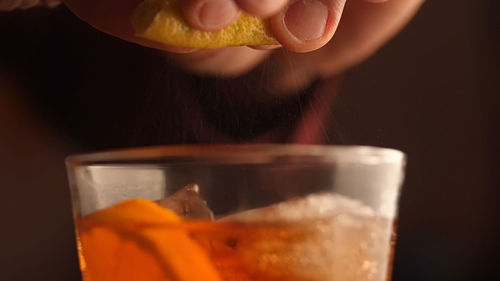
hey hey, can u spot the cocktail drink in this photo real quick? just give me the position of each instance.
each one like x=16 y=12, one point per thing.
x=236 y=213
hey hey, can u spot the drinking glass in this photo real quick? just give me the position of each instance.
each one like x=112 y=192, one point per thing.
x=236 y=212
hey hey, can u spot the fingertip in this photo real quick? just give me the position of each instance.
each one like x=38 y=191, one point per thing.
x=209 y=15
x=261 y=8
x=307 y=25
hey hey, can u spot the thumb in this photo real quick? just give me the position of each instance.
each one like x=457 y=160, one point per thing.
x=307 y=25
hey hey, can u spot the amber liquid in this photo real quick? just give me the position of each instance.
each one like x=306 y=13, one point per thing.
x=344 y=248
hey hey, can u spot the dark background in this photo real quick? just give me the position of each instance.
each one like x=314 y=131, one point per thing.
x=431 y=92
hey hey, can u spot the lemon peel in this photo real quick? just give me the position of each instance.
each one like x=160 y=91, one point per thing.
x=162 y=21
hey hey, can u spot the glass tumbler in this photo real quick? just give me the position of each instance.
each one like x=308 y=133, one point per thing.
x=236 y=212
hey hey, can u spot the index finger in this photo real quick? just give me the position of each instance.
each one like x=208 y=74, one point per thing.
x=113 y=17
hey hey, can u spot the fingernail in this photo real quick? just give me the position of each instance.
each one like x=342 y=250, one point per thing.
x=306 y=19
x=216 y=14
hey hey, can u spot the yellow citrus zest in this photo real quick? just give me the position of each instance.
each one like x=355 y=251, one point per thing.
x=162 y=21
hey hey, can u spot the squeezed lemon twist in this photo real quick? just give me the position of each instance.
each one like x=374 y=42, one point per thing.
x=162 y=21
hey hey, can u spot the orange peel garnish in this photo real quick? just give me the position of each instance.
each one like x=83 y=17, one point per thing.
x=138 y=240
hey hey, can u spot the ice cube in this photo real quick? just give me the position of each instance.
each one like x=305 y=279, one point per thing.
x=187 y=202
x=314 y=206
x=320 y=237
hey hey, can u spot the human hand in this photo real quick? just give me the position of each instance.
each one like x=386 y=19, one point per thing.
x=304 y=27
x=299 y=25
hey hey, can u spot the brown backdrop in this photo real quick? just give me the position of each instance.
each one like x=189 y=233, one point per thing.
x=430 y=92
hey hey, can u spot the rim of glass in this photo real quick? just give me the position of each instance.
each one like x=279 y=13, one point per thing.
x=246 y=153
